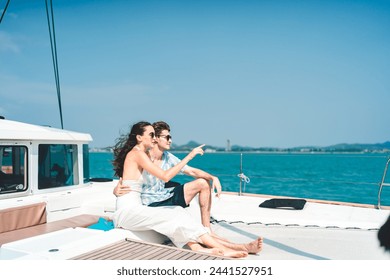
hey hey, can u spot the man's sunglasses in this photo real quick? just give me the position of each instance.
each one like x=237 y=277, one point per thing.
x=167 y=137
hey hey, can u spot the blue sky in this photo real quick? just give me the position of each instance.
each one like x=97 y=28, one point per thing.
x=263 y=73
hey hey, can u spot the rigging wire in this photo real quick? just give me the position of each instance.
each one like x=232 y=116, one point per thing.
x=53 y=45
x=5 y=9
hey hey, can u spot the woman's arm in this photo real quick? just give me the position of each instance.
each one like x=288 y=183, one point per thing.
x=166 y=175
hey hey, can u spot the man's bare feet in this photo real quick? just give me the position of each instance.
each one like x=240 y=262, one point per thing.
x=255 y=246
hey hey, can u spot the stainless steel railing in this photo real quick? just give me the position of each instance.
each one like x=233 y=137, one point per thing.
x=383 y=183
x=243 y=178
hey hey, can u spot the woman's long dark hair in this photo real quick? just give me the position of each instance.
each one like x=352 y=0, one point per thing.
x=124 y=145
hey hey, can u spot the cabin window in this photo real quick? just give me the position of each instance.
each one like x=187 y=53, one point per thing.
x=57 y=165
x=86 y=163
x=13 y=166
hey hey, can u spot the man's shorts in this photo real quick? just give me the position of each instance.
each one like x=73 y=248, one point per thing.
x=177 y=199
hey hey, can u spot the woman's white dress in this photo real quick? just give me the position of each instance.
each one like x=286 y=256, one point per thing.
x=173 y=221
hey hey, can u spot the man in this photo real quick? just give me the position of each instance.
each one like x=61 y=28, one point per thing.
x=158 y=193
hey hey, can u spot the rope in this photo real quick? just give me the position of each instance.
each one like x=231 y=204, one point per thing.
x=53 y=46
x=215 y=221
x=244 y=178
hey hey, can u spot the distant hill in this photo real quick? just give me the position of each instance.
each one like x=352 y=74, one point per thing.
x=360 y=147
x=189 y=146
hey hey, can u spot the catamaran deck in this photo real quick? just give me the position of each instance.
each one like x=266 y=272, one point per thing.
x=137 y=250
x=320 y=231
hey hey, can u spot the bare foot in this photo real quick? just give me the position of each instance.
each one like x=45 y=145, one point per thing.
x=235 y=254
x=212 y=251
x=255 y=246
x=199 y=248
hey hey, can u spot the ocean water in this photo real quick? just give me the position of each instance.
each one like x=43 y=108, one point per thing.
x=339 y=177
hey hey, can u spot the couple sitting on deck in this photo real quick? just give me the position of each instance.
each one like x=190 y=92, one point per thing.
x=144 y=202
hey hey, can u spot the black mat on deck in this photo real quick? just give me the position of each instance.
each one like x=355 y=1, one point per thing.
x=284 y=203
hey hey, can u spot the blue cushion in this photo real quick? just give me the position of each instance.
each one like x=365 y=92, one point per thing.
x=103 y=224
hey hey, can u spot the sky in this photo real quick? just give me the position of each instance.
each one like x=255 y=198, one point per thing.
x=265 y=73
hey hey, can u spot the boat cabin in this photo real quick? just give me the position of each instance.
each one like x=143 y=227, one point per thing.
x=38 y=159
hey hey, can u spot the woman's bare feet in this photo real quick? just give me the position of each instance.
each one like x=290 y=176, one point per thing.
x=221 y=252
x=234 y=254
x=255 y=246
x=212 y=251
x=199 y=248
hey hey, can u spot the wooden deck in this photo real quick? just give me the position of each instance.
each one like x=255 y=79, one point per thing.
x=129 y=249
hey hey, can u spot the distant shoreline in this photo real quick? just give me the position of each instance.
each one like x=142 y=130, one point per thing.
x=97 y=150
x=379 y=148
x=284 y=152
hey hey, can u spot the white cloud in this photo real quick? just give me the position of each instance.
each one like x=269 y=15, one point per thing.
x=13 y=88
x=118 y=95
x=7 y=44
x=18 y=92
x=10 y=15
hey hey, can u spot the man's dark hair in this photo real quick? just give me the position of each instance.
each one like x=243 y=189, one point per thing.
x=160 y=126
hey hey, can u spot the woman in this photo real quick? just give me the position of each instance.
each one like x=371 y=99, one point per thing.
x=130 y=161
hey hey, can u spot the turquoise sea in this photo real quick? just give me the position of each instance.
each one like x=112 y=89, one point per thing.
x=339 y=177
